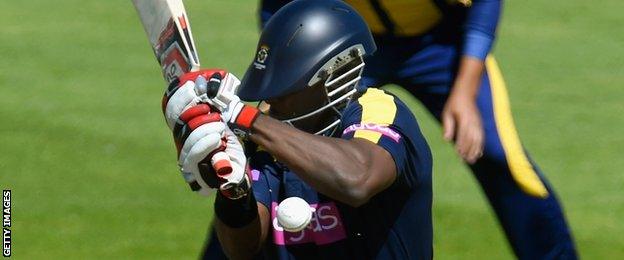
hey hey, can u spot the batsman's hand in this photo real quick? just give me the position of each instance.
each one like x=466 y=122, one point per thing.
x=201 y=138
x=220 y=91
x=198 y=156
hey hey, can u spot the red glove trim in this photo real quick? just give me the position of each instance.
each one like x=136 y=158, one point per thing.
x=203 y=119
x=247 y=116
x=195 y=111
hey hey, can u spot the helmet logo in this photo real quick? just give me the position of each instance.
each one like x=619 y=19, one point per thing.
x=261 y=57
x=263 y=53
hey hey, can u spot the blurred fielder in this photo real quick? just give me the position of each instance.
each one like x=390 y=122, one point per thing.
x=438 y=51
x=357 y=156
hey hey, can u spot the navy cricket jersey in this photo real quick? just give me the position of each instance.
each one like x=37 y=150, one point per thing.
x=394 y=224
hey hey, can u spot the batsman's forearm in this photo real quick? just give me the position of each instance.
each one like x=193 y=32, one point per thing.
x=334 y=167
x=244 y=242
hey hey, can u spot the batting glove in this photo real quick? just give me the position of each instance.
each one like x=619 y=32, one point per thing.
x=201 y=139
x=220 y=91
x=203 y=143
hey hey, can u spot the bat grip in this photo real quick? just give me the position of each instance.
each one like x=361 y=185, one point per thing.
x=212 y=86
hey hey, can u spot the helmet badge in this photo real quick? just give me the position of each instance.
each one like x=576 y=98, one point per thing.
x=261 y=57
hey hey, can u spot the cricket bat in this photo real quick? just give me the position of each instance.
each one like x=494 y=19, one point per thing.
x=169 y=33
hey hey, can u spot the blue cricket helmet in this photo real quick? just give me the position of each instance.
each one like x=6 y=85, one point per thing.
x=304 y=43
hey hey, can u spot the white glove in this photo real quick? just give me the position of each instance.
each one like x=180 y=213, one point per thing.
x=237 y=183
x=200 y=137
x=180 y=97
x=221 y=93
x=202 y=143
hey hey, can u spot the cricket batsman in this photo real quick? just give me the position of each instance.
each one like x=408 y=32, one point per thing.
x=438 y=50
x=354 y=154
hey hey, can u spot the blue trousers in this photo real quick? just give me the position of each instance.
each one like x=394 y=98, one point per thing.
x=524 y=202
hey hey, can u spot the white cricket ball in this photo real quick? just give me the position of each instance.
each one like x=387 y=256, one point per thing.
x=294 y=214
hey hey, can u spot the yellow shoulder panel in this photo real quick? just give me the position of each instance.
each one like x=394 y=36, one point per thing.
x=377 y=108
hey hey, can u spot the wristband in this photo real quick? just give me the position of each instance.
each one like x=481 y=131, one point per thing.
x=236 y=213
x=245 y=117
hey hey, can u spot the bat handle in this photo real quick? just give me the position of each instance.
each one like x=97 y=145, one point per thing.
x=221 y=163
x=213 y=85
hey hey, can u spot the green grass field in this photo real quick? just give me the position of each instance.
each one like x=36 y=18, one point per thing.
x=91 y=163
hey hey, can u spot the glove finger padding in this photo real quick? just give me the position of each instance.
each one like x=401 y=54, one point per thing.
x=182 y=129
x=183 y=98
x=199 y=133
